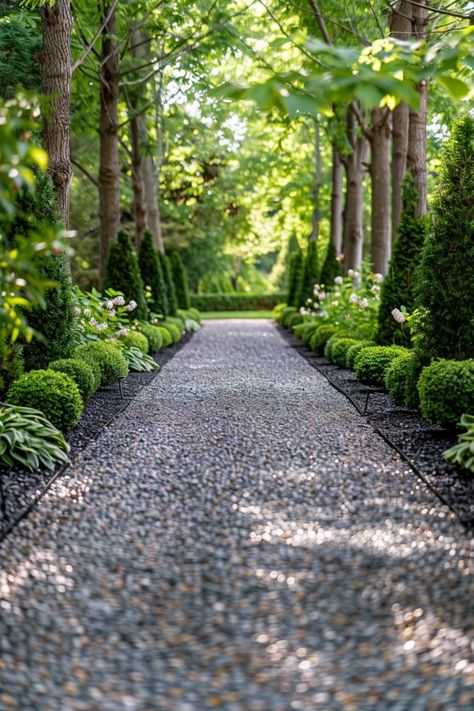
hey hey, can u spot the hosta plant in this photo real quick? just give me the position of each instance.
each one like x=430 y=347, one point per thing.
x=29 y=440
x=463 y=452
x=138 y=361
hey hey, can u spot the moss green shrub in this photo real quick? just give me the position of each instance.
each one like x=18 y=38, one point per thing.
x=12 y=364
x=414 y=368
x=331 y=267
x=331 y=343
x=153 y=335
x=180 y=280
x=446 y=274
x=320 y=337
x=152 y=274
x=396 y=375
x=56 y=395
x=79 y=371
x=122 y=273
x=177 y=321
x=194 y=314
x=353 y=352
x=134 y=339
x=169 y=283
x=310 y=327
x=104 y=358
x=294 y=320
x=372 y=363
x=446 y=390
x=285 y=314
x=295 y=278
x=398 y=287
x=166 y=336
x=339 y=350
x=173 y=330
x=310 y=273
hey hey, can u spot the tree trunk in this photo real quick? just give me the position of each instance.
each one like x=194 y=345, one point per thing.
x=380 y=175
x=109 y=171
x=400 y=28
x=137 y=177
x=55 y=60
x=318 y=179
x=336 y=200
x=416 y=157
x=353 y=230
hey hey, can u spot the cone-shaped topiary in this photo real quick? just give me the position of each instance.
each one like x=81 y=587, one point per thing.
x=332 y=267
x=152 y=274
x=170 y=288
x=310 y=273
x=295 y=277
x=398 y=288
x=446 y=273
x=122 y=273
x=180 y=280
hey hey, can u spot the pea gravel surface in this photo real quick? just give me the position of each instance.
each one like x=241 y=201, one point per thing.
x=238 y=539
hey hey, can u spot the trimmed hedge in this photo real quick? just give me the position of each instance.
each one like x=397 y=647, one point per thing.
x=79 y=371
x=106 y=360
x=372 y=363
x=396 y=376
x=134 y=339
x=153 y=335
x=339 y=350
x=353 y=352
x=320 y=337
x=236 y=302
x=166 y=336
x=446 y=390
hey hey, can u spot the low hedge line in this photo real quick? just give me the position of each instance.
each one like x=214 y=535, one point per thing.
x=236 y=302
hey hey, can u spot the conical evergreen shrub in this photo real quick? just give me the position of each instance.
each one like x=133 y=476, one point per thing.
x=180 y=281
x=295 y=277
x=310 y=273
x=446 y=273
x=170 y=288
x=398 y=288
x=331 y=267
x=123 y=274
x=152 y=274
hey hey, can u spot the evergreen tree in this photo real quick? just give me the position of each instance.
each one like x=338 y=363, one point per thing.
x=310 y=273
x=332 y=267
x=152 y=274
x=398 y=288
x=446 y=274
x=123 y=274
x=170 y=288
x=295 y=278
x=180 y=280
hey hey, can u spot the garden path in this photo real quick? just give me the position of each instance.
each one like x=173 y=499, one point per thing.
x=239 y=539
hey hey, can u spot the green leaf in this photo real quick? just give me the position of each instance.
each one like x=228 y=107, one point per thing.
x=455 y=87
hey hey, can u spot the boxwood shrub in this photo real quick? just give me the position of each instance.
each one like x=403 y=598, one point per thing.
x=353 y=352
x=372 y=363
x=134 y=339
x=236 y=302
x=166 y=336
x=285 y=315
x=79 y=371
x=294 y=320
x=446 y=390
x=320 y=337
x=339 y=350
x=173 y=330
x=106 y=359
x=153 y=335
x=55 y=394
x=396 y=377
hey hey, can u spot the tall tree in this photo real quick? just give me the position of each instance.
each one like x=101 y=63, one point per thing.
x=354 y=164
x=379 y=137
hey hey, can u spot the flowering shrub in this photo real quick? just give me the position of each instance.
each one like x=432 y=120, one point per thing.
x=102 y=317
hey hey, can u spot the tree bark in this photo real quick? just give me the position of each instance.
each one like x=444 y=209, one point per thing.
x=336 y=200
x=318 y=179
x=353 y=230
x=400 y=28
x=109 y=170
x=55 y=60
x=416 y=155
x=139 y=215
x=380 y=176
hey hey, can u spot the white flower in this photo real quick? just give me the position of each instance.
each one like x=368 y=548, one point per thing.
x=122 y=332
x=323 y=314
x=87 y=312
x=398 y=315
x=356 y=275
x=132 y=305
x=339 y=280
x=94 y=323
x=334 y=303
x=350 y=273
x=111 y=313
x=118 y=301
x=77 y=310
x=308 y=301
x=321 y=295
x=378 y=278
x=109 y=305
x=363 y=303
x=353 y=298
x=375 y=289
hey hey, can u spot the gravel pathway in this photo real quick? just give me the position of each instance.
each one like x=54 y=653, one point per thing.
x=238 y=539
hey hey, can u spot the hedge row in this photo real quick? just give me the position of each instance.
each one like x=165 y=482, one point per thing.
x=236 y=302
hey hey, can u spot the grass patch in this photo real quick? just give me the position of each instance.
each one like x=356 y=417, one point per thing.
x=211 y=315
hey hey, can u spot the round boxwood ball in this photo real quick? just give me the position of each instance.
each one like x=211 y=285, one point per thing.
x=108 y=360
x=166 y=336
x=372 y=363
x=446 y=390
x=153 y=335
x=55 y=394
x=79 y=371
x=339 y=350
x=134 y=339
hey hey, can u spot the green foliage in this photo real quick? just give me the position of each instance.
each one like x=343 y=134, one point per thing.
x=353 y=352
x=166 y=336
x=134 y=339
x=138 y=361
x=56 y=322
x=173 y=330
x=180 y=280
x=396 y=376
x=169 y=283
x=331 y=267
x=294 y=320
x=332 y=342
x=79 y=371
x=105 y=359
x=153 y=335
x=446 y=274
x=295 y=278
x=19 y=43
x=178 y=322
x=152 y=274
x=413 y=366
x=235 y=302
x=463 y=452
x=123 y=274
x=286 y=314
x=338 y=354
x=310 y=274
x=11 y=364
x=372 y=363
x=398 y=288
x=29 y=440
x=55 y=394
x=446 y=390
x=320 y=337
x=193 y=313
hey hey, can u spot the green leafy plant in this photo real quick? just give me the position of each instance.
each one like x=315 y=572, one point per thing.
x=446 y=390
x=320 y=337
x=180 y=280
x=79 y=371
x=339 y=350
x=102 y=316
x=29 y=440
x=134 y=339
x=372 y=363
x=463 y=452
x=122 y=272
x=106 y=359
x=55 y=394
x=332 y=267
x=166 y=336
x=152 y=275
x=169 y=283
x=295 y=277
x=153 y=335
x=173 y=330
x=138 y=361
x=396 y=376
x=354 y=351
x=310 y=274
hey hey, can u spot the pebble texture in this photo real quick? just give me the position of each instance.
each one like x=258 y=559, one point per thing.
x=238 y=539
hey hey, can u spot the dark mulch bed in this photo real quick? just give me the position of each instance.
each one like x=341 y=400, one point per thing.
x=22 y=489
x=420 y=443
